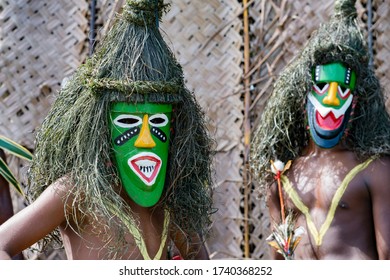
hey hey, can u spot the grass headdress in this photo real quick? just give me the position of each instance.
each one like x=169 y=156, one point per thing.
x=282 y=132
x=132 y=64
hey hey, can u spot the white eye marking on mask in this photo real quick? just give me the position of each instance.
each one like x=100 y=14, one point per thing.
x=127 y=121
x=158 y=120
x=343 y=92
x=321 y=88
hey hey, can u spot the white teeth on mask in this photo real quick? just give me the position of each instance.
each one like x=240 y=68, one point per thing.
x=146 y=167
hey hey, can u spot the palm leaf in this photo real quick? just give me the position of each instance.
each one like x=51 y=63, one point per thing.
x=14 y=148
x=17 y=150
x=7 y=174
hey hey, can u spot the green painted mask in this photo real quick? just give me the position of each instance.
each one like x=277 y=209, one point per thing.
x=329 y=103
x=140 y=138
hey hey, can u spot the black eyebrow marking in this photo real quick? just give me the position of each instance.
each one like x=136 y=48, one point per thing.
x=347 y=78
x=317 y=73
x=159 y=134
x=126 y=136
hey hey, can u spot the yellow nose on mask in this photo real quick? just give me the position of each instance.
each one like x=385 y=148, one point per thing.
x=331 y=98
x=145 y=139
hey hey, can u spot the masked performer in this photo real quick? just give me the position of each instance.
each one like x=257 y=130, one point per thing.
x=327 y=115
x=122 y=161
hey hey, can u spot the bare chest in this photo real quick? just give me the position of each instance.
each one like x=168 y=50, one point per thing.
x=330 y=185
x=332 y=203
x=147 y=240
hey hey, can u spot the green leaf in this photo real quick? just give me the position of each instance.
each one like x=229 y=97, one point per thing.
x=14 y=148
x=7 y=174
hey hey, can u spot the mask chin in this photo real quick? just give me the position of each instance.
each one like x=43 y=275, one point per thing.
x=325 y=138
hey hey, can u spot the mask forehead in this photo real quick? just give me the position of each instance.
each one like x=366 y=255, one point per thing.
x=148 y=108
x=335 y=72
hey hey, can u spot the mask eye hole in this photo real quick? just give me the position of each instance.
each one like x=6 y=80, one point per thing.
x=158 y=120
x=127 y=121
x=321 y=88
x=344 y=92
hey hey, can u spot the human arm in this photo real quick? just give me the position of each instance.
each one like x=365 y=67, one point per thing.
x=202 y=253
x=378 y=179
x=190 y=247
x=33 y=222
x=6 y=207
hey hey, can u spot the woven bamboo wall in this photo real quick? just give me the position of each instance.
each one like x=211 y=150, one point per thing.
x=381 y=32
x=44 y=41
x=41 y=42
x=208 y=47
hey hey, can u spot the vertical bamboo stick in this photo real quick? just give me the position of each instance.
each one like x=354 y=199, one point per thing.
x=247 y=130
x=369 y=29
x=115 y=9
x=92 y=32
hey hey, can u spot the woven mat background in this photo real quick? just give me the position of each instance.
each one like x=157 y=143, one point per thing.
x=208 y=47
x=41 y=42
x=381 y=30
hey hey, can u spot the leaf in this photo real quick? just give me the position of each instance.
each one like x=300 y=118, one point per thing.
x=14 y=148
x=284 y=238
x=287 y=166
x=17 y=150
x=7 y=174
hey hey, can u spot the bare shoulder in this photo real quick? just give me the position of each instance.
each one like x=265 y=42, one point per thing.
x=62 y=186
x=377 y=174
x=382 y=162
x=381 y=165
x=55 y=196
x=35 y=221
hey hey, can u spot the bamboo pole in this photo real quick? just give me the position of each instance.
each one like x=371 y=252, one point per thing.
x=116 y=9
x=369 y=28
x=247 y=130
x=92 y=33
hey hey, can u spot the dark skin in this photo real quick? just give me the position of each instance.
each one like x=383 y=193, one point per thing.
x=47 y=213
x=6 y=208
x=360 y=228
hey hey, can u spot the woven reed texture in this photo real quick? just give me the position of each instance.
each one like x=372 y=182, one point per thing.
x=41 y=43
x=381 y=36
x=205 y=37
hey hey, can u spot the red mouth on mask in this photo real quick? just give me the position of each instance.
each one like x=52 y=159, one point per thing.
x=329 y=122
x=146 y=166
